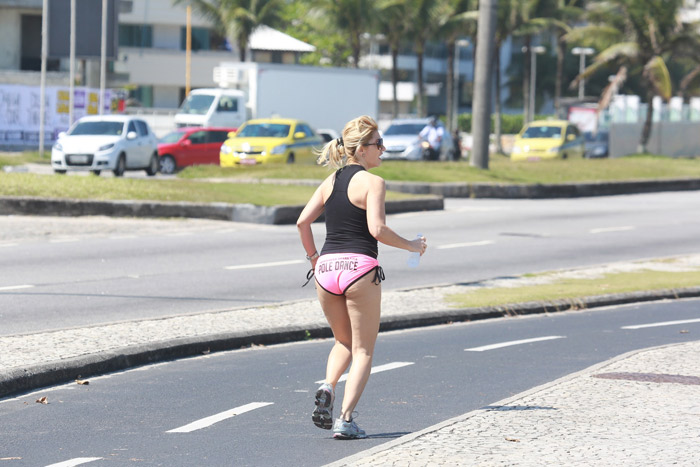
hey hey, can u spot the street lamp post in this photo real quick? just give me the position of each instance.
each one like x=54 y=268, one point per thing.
x=533 y=76
x=460 y=43
x=582 y=52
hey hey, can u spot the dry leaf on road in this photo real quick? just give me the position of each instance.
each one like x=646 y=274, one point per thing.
x=42 y=400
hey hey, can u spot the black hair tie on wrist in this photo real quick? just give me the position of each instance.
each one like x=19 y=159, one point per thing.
x=339 y=141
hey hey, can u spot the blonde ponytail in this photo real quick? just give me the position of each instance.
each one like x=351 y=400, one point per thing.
x=339 y=152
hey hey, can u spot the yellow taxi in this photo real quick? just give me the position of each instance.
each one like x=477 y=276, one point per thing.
x=268 y=140
x=548 y=139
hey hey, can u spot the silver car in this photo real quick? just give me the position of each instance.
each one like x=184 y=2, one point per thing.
x=108 y=142
x=403 y=143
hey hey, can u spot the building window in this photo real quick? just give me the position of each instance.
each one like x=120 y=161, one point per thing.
x=142 y=96
x=135 y=35
x=30 y=45
x=200 y=39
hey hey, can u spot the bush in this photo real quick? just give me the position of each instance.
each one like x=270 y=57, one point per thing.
x=510 y=123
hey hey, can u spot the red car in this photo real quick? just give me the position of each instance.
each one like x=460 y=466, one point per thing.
x=190 y=146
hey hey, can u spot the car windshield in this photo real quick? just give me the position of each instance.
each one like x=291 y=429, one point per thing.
x=98 y=128
x=197 y=104
x=264 y=130
x=543 y=132
x=404 y=129
x=172 y=137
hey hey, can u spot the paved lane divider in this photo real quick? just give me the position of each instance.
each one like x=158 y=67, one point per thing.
x=76 y=461
x=661 y=323
x=511 y=343
x=16 y=287
x=208 y=421
x=611 y=229
x=464 y=245
x=265 y=265
x=376 y=369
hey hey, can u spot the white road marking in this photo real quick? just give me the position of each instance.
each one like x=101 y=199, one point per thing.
x=122 y=237
x=463 y=245
x=208 y=421
x=662 y=323
x=3 y=245
x=64 y=240
x=76 y=461
x=510 y=343
x=611 y=229
x=376 y=369
x=16 y=287
x=266 y=265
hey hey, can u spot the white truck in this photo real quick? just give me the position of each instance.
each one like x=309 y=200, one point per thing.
x=322 y=97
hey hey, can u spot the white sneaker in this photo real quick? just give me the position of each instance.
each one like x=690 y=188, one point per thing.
x=322 y=415
x=347 y=430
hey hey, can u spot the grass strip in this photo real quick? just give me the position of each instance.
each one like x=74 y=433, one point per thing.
x=501 y=170
x=102 y=188
x=576 y=288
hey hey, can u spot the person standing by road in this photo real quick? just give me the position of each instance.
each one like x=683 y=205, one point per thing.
x=432 y=133
x=348 y=275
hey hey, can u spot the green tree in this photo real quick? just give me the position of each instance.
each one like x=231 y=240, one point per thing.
x=641 y=35
x=459 y=19
x=237 y=19
x=353 y=18
x=425 y=17
x=391 y=21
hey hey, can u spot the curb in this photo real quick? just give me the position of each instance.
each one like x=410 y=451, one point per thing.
x=356 y=458
x=276 y=215
x=64 y=371
x=537 y=191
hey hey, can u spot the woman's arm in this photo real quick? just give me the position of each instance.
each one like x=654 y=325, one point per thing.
x=376 y=219
x=311 y=211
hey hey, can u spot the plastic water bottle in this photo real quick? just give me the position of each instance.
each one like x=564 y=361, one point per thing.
x=414 y=256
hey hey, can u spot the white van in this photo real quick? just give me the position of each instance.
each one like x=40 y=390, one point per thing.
x=213 y=107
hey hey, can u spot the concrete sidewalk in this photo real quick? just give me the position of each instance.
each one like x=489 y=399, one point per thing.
x=642 y=408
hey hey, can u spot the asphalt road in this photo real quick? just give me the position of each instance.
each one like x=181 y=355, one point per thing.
x=85 y=275
x=252 y=407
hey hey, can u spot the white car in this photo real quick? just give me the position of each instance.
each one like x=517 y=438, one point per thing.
x=402 y=142
x=106 y=142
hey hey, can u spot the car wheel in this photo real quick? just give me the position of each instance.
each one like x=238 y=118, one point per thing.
x=96 y=172
x=121 y=166
x=290 y=158
x=167 y=165
x=153 y=165
x=59 y=171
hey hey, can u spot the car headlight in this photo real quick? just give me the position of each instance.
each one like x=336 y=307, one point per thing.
x=225 y=149
x=517 y=149
x=279 y=149
x=106 y=146
x=58 y=147
x=555 y=149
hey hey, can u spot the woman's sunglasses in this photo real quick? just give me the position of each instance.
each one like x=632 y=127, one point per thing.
x=379 y=143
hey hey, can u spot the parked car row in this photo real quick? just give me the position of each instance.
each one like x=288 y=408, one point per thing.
x=118 y=143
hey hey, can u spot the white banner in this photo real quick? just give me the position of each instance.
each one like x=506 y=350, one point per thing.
x=19 y=111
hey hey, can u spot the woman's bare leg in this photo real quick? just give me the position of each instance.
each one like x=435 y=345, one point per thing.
x=336 y=311
x=363 y=304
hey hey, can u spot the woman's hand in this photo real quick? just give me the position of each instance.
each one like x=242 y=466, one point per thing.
x=419 y=245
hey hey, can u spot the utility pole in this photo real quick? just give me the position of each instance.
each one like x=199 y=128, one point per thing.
x=483 y=85
x=42 y=91
x=188 y=51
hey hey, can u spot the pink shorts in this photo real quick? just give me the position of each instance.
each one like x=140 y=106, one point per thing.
x=337 y=271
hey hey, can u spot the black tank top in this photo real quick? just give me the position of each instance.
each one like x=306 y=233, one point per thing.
x=346 y=224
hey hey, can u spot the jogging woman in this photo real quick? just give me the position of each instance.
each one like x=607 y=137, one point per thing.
x=348 y=275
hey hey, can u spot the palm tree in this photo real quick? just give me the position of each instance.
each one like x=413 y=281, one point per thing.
x=458 y=20
x=566 y=13
x=390 y=21
x=354 y=17
x=425 y=19
x=641 y=35
x=237 y=19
